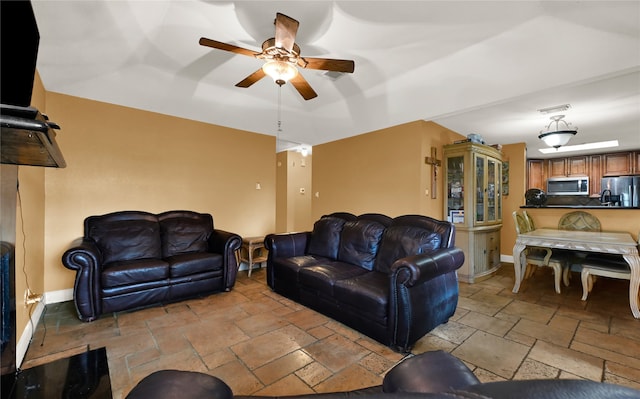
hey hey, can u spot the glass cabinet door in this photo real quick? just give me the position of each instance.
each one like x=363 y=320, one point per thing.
x=491 y=189
x=498 y=190
x=480 y=188
x=455 y=189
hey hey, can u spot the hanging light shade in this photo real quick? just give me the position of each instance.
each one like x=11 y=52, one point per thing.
x=280 y=71
x=555 y=135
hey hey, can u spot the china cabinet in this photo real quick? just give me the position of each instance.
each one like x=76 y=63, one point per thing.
x=473 y=202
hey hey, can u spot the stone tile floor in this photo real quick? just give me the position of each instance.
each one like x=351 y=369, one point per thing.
x=261 y=343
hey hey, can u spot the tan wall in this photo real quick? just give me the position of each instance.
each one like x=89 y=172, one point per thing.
x=515 y=154
x=120 y=158
x=381 y=172
x=282 y=196
x=299 y=177
x=30 y=222
x=293 y=208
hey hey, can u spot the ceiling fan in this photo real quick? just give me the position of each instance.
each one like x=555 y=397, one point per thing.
x=281 y=55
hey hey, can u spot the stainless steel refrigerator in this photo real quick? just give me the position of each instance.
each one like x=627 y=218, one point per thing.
x=624 y=189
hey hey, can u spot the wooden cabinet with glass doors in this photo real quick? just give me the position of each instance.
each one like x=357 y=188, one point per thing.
x=473 y=202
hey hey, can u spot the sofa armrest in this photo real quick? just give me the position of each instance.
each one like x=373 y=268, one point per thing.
x=85 y=258
x=286 y=245
x=226 y=243
x=423 y=294
x=414 y=270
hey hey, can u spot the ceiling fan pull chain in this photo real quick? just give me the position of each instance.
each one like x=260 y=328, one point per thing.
x=279 y=109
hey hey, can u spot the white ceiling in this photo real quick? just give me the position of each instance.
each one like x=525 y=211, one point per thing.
x=482 y=67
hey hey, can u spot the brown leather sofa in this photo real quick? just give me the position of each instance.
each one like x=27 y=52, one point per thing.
x=391 y=279
x=431 y=375
x=131 y=259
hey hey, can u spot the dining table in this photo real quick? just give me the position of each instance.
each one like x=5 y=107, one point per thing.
x=608 y=242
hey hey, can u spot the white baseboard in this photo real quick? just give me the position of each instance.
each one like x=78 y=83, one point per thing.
x=506 y=258
x=59 y=296
x=25 y=339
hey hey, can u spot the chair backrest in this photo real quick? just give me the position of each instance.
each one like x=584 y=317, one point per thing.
x=579 y=220
x=529 y=220
x=520 y=223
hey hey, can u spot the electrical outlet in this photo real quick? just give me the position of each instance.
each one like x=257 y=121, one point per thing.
x=30 y=298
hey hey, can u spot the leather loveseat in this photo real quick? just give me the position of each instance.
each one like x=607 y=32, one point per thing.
x=131 y=259
x=431 y=375
x=394 y=280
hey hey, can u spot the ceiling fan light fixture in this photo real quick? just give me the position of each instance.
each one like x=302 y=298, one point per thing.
x=280 y=71
x=557 y=136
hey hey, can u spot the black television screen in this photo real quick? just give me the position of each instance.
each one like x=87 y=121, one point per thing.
x=19 y=51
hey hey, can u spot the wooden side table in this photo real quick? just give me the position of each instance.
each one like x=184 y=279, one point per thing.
x=252 y=251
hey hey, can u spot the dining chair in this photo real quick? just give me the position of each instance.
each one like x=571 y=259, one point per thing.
x=576 y=221
x=579 y=220
x=539 y=256
x=612 y=266
x=529 y=219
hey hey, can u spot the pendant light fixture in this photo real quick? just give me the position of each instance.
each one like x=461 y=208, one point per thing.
x=555 y=135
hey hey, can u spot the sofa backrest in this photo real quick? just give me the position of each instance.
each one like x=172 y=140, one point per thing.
x=184 y=232
x=445 y=229
x=325 y=237
x=360 y=239
x=375 y=241
x=410 y=235
x=125 y=235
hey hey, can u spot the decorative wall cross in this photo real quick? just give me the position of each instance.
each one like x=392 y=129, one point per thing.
x=434 y=162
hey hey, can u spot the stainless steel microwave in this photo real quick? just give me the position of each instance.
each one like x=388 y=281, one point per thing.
x=568 y=186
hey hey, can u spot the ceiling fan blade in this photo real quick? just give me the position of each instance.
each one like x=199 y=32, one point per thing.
x=327 y=64
x=251 y=79
x=303 y=87
x=286 y=30
x=227 y=47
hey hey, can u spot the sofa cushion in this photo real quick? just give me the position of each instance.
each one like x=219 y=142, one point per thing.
x=134 y=272
x=401 y=241
x=367 y=293
x=125 y=240
x=359 y=242
x=325 y=237
x=183 y=235
x=322 y=277
x=194 y=263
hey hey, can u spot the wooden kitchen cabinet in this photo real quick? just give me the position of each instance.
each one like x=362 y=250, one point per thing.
x=595 y=174
x=578 y=166
x=536 y=176
x=617 y=164
x=566 y=167
x=594 y=166
x=557 y=167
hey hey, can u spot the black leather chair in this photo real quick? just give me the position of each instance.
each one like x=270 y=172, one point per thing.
x=435 y=374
